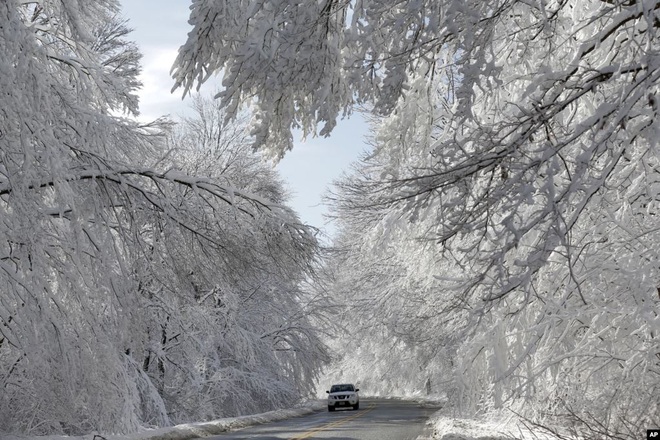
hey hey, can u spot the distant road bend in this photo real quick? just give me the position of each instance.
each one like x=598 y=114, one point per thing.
x=375 y=420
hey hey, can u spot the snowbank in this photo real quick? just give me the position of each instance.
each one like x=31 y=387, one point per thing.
x=450 y=428
x=192 y=430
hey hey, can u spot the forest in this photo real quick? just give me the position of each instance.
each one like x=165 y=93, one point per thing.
x=497 y=245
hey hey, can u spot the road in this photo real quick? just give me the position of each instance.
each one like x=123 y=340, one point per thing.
x=375 y=420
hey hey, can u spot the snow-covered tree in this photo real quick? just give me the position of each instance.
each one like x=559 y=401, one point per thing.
x=264 y=343
x=576 y=339
x=139 y=286
x=301 y=64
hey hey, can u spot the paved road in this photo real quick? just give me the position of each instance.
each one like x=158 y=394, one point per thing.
x=375 y=420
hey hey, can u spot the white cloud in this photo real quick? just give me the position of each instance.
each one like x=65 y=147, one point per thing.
x=155 y=96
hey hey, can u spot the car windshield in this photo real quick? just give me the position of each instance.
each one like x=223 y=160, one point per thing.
x=339 y=388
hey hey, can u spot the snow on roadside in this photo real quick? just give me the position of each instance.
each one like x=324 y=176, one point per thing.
x=445 y=427
x=193 y=430
x=467 y=429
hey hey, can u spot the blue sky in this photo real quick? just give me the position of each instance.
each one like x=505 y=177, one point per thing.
x=160 y=27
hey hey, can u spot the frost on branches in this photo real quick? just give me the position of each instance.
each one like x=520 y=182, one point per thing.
x=516 y=157
x=139 y=285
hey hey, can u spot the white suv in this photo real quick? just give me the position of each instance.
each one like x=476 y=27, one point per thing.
x=343 y=395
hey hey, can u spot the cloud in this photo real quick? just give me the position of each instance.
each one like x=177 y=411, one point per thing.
x=156 y=98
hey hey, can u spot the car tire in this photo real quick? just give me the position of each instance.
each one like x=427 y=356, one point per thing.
x=331 y=408
x=356 y=406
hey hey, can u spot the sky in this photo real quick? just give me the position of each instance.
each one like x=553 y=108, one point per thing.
x=160 y=28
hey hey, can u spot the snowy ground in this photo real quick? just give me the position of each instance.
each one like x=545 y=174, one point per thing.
x=444 y=426
x=448 y=428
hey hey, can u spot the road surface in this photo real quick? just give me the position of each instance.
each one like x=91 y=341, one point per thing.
x=375 y=420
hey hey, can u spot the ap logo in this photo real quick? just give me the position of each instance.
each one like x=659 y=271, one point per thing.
x=653 y=434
